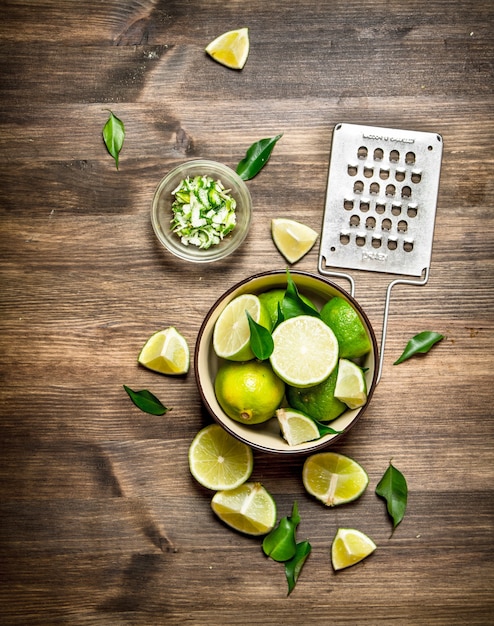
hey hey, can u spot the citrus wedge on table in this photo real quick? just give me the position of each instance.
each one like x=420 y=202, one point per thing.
x=350 y=386
x=334 y=478
x=166 y=352
x=293 y=239
x=219 y=461
x=350 y=546
x=249 y=508
x=231 y=334
x=230 y=48
x=305 y=351
x=296 y=427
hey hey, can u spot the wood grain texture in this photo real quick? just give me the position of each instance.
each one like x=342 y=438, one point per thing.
x=100 y=520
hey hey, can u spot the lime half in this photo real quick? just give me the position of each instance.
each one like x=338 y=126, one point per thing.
x=249 y=509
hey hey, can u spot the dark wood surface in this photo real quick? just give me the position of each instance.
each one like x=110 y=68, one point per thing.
x=101 y=522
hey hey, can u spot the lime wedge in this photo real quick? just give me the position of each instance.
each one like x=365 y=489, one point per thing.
x=305 y=351
x=296 y=427
x=292 y=238
x=349 y=547
x=249 y=509
x=350 y=384
x=219 y=461
x=230 y=48
x=334 y=478
x=231 y=335
x=166 y=352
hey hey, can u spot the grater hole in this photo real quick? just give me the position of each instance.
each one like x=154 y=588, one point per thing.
x=402 y=226
x=362 y=152
x=364 y=206
x=360 y=241
x=396 y=209
x=394 y=156
x=406 y=192
x=354 y=220
x=378 y=154
x=400 y=175
x=368 y=172
x=392 y=244
x=386 y=224
x=358 y=187
x=408 y=246
x=370 y=223
x=374 y=188
x=416 y=177
x=380 y=208
x=352 y=170
x=376 y=242
x=410 y=158
x=383 y=174
x=348 y=205
x=412 y=210
x=390 y=190
x=344 y=239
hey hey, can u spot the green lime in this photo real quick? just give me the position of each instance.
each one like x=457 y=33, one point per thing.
x=248 y=392
x=334 y=478
x=346 y=324
x=319 y=401
x=273 y=297
x=250 y=508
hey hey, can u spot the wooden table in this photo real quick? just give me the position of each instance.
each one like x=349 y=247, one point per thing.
x=101 y=522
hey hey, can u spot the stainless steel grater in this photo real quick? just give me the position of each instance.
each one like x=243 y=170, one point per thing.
x=381 y=205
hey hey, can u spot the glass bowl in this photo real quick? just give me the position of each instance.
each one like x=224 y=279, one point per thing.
x=266 y=437
x=161 y=213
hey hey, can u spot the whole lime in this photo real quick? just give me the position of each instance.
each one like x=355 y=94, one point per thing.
x=273 y=297
x=346 y=324
x=248 y=392
x=319 y=401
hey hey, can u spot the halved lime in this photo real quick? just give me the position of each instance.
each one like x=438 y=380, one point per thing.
x=249 y=509
x=231 y=48
x=350 y=386
x=166 y=352
x=349 y=547
x=296 y=427
x=293 y=239
x=334 y=478
x=231 y=335
x=305 y=351
x=219 y=461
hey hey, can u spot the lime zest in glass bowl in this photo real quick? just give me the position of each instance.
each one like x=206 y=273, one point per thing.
x=203 y=211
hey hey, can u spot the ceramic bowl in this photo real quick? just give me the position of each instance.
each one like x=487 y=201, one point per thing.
x=266 y=437
x=161 y=213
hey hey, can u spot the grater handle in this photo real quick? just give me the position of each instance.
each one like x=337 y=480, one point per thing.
x=398 y=281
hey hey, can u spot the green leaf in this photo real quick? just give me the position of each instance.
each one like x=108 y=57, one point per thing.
x=261 y=342
x=280 y=543
x=256 y=157
x=113 y=135
x=292 y=304
x=146 y=401
x=326 y=430
x=393 y=488
x=293 y=567
x=420 y=343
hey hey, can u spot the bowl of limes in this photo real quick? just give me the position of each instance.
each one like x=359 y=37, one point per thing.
x=286 y=362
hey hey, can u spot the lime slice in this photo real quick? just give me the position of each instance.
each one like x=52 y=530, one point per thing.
x=334 y=478
x=219 y=461
x=349 y=547
x=230 y=48
x=166 y=352
x=249 y=509
x=305 y=351
x=350 y=384
x=296 y=427
x=292 y=238
x=231 y=335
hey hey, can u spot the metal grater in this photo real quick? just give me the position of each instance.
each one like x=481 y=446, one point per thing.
x=381 y=205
